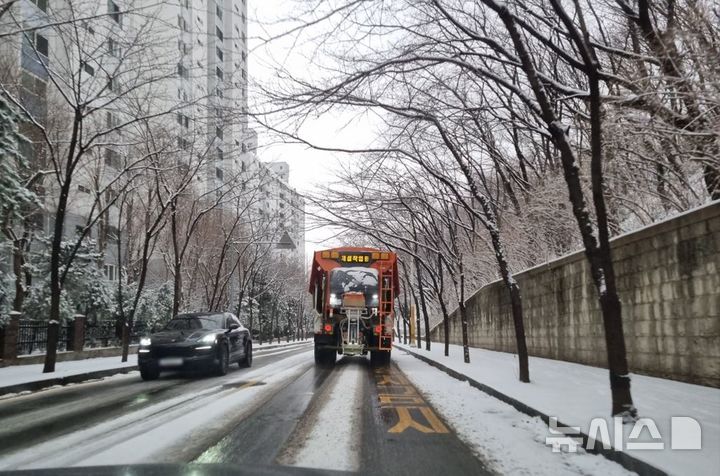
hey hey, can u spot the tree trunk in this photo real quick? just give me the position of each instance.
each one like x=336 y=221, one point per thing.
x=464 y=317
x=53 y=331
x=18 y=264
x=423 y=304
x=601 y=266
x=443 y=306
x=418 y=335
x=177 y=259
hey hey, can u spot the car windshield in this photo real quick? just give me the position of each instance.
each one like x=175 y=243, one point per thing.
x=191 y=323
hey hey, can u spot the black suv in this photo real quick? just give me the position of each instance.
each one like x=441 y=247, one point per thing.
x=196 y=340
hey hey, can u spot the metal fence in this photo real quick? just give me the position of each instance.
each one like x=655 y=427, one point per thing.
x=32 y=337
x=109 y=334
x=102 y=334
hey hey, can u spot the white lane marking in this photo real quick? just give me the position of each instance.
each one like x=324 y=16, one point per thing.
x=333 y=442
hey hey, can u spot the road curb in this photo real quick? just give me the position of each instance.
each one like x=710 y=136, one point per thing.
x=76 y=378
x=625 y=460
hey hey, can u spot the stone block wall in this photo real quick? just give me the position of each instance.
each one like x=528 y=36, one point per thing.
x=668 y=277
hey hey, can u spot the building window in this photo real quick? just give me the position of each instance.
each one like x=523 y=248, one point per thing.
x=182 y=71
x=114 y=11
x=40 y=43
x=220 y=54
x=182 y=23
x=113 y=48
x=83 y=189
x=218 y=173
x=112 y=158
x=112 y=233
x=87 y=68
x=110 y=195
x=183 y=143
x=111 y=273
x=219 y=154
x=219 y=73
x=219 y=33
x=183 y=120
x=41 y=4
x=219 y=132
x=112 y=120
x=111 y=83
x=218 y=11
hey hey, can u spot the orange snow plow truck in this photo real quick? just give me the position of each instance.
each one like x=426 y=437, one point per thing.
x=353 y=293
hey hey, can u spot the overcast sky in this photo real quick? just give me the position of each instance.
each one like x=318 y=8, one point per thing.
x=309 y=169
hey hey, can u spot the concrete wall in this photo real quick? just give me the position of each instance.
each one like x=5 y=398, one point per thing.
x=668 y=276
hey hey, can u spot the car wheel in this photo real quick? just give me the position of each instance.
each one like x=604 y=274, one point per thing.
x=221 y=367
x=247 y=361
x=149 y=372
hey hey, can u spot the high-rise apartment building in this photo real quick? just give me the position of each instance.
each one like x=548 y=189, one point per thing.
x=180 y=65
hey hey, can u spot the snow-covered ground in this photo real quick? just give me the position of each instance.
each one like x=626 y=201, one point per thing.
x=335 y=424
x=274 y=343
x=19 y=374
x=510 y=442
x=167 y=431
x=573 y=393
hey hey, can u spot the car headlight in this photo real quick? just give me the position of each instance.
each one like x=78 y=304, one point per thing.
x=145 y=341
x=374 y=298
x=208 y=339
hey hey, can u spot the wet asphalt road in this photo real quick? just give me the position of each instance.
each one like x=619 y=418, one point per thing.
x=399 y=432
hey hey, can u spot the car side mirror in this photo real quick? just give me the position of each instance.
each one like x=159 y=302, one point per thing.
x=234 y=326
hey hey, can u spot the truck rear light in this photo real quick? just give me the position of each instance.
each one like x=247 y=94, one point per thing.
x=378 y=329
x=328 y=328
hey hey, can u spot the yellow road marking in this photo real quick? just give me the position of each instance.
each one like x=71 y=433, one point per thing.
x=400 y=396
x=406 y=421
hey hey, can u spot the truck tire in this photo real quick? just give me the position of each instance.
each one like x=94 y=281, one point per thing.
x=324 y=357
x=379 y=358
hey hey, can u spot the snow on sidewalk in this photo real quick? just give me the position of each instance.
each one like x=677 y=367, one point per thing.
x=508 y=441
x=20 y=374
x=577 y=393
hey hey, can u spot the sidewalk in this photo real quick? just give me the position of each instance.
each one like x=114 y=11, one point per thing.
x=577 y=393
x=22 y=378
